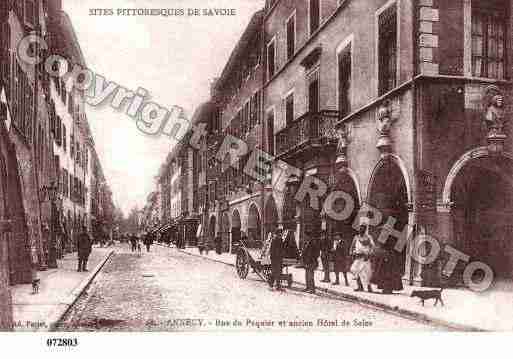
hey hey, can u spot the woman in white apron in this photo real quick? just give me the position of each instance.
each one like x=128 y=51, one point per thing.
x=361 y=251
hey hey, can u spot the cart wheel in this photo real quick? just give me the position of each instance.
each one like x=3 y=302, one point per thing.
x=267 y=272
x=242 y=264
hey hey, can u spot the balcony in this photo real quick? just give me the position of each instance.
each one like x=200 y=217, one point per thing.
x=313 y=129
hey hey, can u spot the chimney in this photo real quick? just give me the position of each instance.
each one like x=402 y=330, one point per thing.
x=213 y=85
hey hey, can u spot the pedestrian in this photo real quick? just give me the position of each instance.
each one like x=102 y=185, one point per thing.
x=138 y=243
x=85 y=244
x=341 y=258
x=388 y=268
x=310 y=257
x=361 y=251
x=276 y=252
x=218 y=244
x=206 y=245
x=325 y=256
x=148 y=241
x=133 y=242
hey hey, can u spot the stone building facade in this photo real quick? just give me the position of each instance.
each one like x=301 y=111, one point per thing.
x=237 y=95
x=401 y=104
x=398 y=104
x=40 y=122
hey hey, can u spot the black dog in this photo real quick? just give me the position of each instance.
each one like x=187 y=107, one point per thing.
x=35 y=286
x=424 y=295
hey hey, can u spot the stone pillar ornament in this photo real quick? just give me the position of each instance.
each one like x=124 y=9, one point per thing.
x=384 y=122
x=342 y=137
x=495 y=118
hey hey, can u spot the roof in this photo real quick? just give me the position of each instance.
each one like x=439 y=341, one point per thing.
x=203 y=111
x=254 y=26
x=65 y=39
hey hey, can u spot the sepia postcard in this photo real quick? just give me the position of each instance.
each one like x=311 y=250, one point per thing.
x=242 y=166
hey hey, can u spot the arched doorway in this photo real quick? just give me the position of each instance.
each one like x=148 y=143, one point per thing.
x=212 y=230
x=270 y=216
x=344 y=227
x=225 y=231
x=254 y=226
x=236 y=234
x=482 y=212
x=388 y=192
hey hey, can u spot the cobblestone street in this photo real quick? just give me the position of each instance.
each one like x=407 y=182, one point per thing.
x=172 y=291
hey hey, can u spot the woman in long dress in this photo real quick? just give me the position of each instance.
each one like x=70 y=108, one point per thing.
x=361 y=250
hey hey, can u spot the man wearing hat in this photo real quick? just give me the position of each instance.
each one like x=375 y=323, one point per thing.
x=85 y=245
x=310 y=257
x=276 y=253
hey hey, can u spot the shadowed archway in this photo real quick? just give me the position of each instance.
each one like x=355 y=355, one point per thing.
x=235 y=231
x=482 y=212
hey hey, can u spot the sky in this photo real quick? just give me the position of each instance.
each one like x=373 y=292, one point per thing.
x=174 y=58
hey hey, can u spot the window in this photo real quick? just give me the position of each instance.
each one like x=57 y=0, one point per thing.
x=63 y=92
x=58 y=131
x=64 y=181
x=64 y=137
x=270 y=132
x=72 y=146
x=246 y=123
x=387 y=49
x=255 y=109
x=488 y=44
x=291 y=36
x=289 y=108
x=70 y=103
x=344 y=82
x=313 y=91
x=77 y=146
x=271 y=54
x=315 y=15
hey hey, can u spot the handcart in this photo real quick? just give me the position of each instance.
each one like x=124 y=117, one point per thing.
x=259 y=261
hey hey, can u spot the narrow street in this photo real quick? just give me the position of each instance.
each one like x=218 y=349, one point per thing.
x=167 y=290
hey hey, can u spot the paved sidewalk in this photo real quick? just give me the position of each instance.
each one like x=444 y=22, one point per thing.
x=464 y=309
x=58 y=290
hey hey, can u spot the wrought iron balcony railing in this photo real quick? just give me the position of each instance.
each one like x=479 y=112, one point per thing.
x=309 y=129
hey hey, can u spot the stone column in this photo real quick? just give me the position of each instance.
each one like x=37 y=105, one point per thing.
x=410 y=277
x=445 y=233
x=299 y=228
x=5 y=292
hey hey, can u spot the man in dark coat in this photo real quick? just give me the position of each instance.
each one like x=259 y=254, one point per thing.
x=276 y=252
x=148 y=240
x=310 y=256
x=133 y=242
x=218 y=244
x=388 y=268
x=85 y=244
x=342 y=258
x=325 y=256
